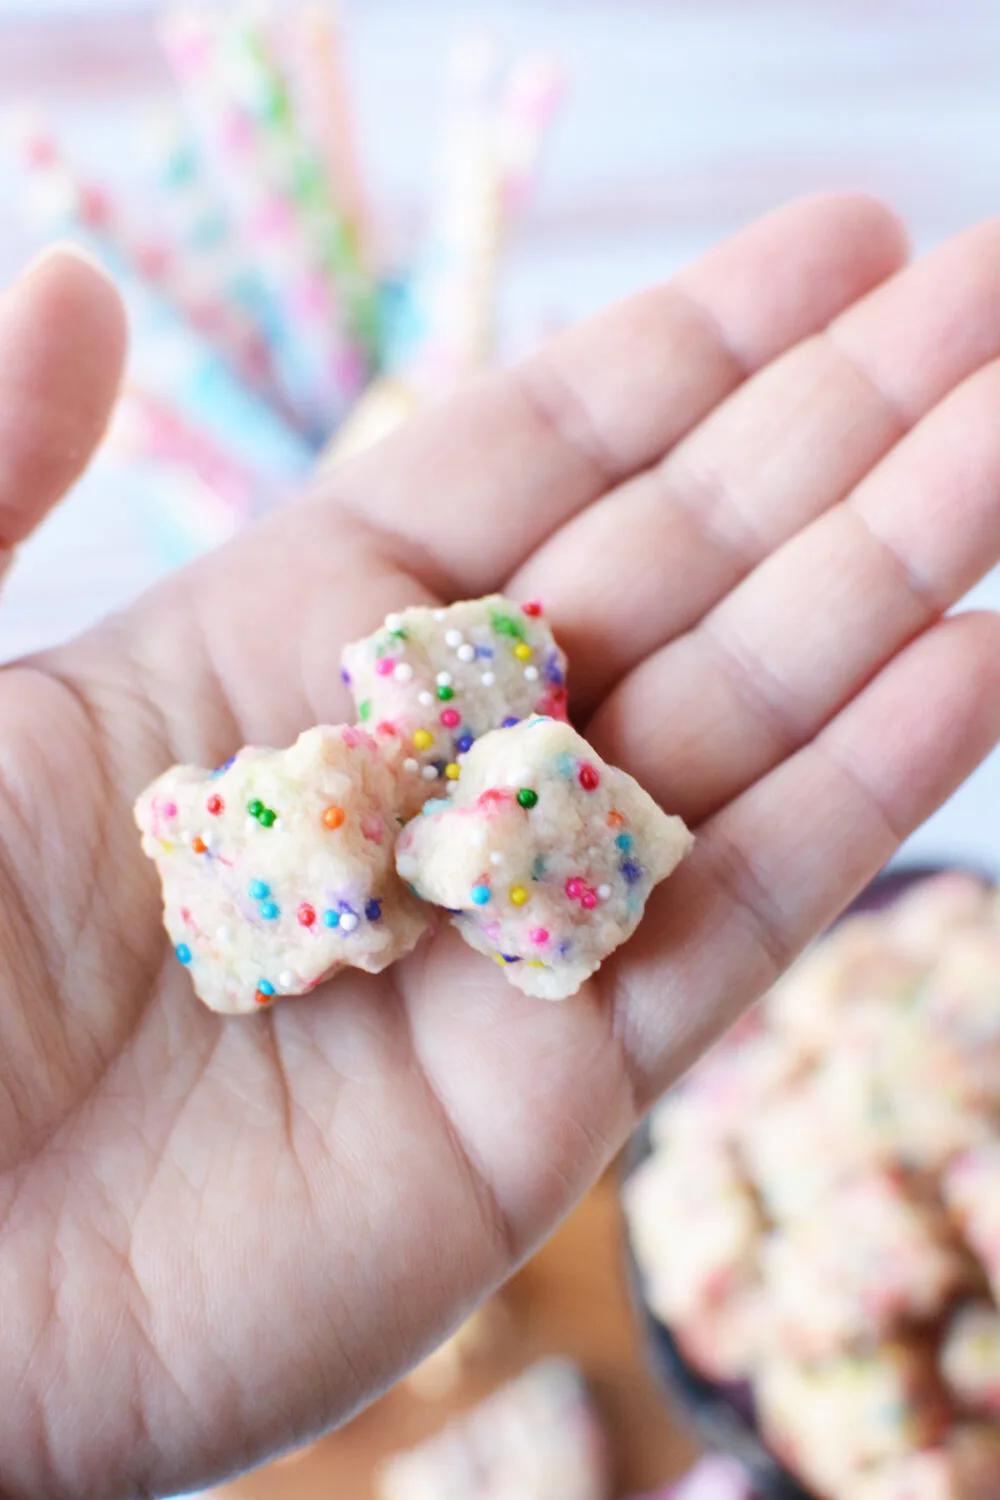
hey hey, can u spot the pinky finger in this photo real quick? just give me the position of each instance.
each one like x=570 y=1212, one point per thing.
x=778 y=864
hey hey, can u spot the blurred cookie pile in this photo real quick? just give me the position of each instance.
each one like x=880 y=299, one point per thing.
x=820 y=1212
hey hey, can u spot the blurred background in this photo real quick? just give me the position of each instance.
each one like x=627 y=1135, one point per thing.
x=446 y=184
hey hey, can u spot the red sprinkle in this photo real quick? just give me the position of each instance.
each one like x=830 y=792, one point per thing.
x=263 y=999
x=386 y=727
x=384 y=666
x=215 y=805
x=574 y=888
x=533 y=609
x=589 y=779
x=588 y=900
x=307 y=914
x=451 y=718
x=493 y=796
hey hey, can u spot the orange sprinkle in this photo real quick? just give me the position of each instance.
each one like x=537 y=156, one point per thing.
x=334 y=817
x=199 y=846
x=615 y=819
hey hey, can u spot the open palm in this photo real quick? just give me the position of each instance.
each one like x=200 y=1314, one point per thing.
x=746 y=499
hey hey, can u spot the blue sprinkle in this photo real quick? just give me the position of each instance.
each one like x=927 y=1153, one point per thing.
x=183 y=953
x=510 y=958
x=554 y=671
x=624 y=842
x=265 y=987
x=331 y=919
x=225 y=766
x=631 y=871
x=565 y=765
x=464 y=745
x=486 y=651
x=373 y=910
x=269 y=910
x=509 y=722
x=259 y=891
x=480 y=894
x=434 y=805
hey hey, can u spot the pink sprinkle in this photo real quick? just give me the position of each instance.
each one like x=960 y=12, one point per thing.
x=492 y=931
x=575 y=888
x=386 y=727
x=169 y=809
x=373 y=829
x=539 y=935
x=350 y=737
x=450 y=718
x=385 y=666
x=588 y=900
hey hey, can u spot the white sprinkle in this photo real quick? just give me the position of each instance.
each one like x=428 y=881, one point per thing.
x=477 y=836
x=425 y=699
x=593 y=852
x=531 y=674
x=208 y=838
x=402 y=671
x=286 y=980
x=453 y=638
x=444 y=679
x=348 y=922
x=440 y=614
x=223 y=935
x=429 y=773
x=487 y=679
x=466 y=653
x=394 y=622
x=604 y=892
x=496 y=858
x=411 y=765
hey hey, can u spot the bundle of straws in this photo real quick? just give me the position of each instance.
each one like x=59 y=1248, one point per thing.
x=268 y=333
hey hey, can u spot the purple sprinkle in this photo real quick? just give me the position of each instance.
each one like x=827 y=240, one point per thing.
x=347 y=909
x=510 y=958
x=509 y=722
x=554 y=671
x=373 y=910
x=345 y=676
x=631 y=871
x=486 y=651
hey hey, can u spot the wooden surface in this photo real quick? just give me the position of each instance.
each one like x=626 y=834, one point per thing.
x=570 y=1299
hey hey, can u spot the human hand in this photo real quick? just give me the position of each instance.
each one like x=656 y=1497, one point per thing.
x=218 y=1236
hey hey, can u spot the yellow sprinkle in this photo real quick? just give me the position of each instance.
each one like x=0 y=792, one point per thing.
x=423 y=739
x=522 y=651
x=535 y=963
x=518 y=895
x=453 y=771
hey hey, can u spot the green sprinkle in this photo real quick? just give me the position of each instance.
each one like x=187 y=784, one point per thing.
x=506 y=625
x=267 y=818
x=527 y=797
x=255 y=808
x=445 y=693
x=365 y=710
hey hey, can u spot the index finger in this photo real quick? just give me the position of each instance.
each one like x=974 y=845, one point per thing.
x=477 y=483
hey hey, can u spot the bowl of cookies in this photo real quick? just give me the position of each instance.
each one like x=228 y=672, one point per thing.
x=813 y=1214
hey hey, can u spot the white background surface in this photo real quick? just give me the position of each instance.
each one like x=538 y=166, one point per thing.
x=684 y=120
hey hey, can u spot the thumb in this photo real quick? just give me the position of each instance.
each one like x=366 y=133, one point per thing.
x=62 y=348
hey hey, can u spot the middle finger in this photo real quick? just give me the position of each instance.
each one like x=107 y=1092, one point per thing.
x=785 y=447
